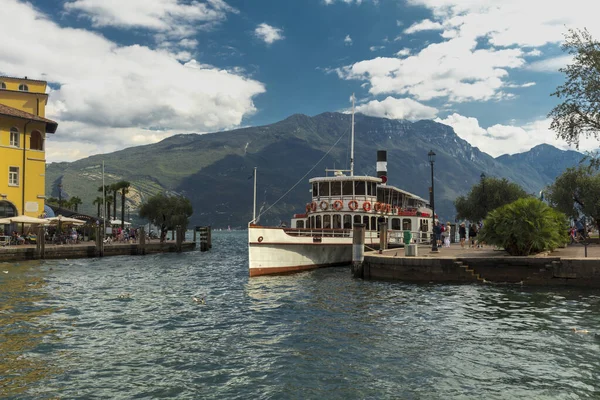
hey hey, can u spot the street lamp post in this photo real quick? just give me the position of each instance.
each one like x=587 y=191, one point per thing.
x=434 y=247
x=60 y=195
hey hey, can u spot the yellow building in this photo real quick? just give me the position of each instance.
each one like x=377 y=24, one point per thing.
x=23 y=130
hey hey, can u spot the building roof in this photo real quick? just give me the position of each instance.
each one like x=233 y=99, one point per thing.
x=21 y=79
x=16 y=113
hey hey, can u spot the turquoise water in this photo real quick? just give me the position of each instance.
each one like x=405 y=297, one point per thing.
x=128 y=327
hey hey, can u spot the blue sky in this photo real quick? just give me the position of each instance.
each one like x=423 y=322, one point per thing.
x=131 y=72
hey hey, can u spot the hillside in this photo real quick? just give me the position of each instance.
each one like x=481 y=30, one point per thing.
x=213 y=169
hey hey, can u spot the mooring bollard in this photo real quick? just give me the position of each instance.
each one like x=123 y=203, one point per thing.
x=358 y=250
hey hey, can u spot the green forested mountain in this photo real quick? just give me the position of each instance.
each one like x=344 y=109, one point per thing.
x=213 y=170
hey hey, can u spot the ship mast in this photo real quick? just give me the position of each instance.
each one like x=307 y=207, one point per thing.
x=352 y=141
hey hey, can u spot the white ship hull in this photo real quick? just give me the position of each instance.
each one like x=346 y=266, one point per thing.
x=282 y=250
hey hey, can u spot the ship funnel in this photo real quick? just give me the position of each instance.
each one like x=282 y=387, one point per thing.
x=382 y=166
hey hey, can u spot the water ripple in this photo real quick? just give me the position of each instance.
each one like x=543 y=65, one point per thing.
x=128 y=327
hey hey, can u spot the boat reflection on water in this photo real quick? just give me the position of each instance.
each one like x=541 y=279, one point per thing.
x=22 y=335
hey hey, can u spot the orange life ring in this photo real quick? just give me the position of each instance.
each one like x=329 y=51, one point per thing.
x=308 y=207
x=260 y=239
x=388 y=208
x=313 y=206
x=337 y=205
x=324 y=205
x=367 y=206
x=378 y=206
x=353 y=205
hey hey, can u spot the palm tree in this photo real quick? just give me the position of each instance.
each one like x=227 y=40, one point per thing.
x=104 y=190
x=109 y=201
x=98 y=201
x=75 y=202
x=115 y=189
x=124 y=187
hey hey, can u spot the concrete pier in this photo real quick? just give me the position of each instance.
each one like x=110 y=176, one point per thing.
x=565 y=266
x=90 y=250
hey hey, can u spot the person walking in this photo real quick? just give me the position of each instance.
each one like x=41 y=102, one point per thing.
x=447 y=234
x=473 y=235
x=462 y=233
x=437 y=234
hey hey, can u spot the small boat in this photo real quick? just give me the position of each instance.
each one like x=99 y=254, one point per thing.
x=321 y=236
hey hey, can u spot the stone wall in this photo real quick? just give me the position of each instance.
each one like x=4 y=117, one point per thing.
x=521 y=270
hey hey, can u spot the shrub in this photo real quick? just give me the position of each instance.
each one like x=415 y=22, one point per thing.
x=526 y=226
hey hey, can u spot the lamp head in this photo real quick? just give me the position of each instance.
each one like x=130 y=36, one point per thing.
x=431 y=156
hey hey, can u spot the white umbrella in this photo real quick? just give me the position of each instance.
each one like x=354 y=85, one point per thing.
x=23 y=219
x=118 y=222
x=65 y=220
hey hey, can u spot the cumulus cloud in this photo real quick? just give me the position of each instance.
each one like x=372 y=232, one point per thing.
x=118 y=95
x=425 y=25
x=550 y=64
x=454 y=69
x=268 y=33
x=403 y=53
x=501 y=139
x=175 y=18
x=397 y=109
x=482 y=42
x=348 y=40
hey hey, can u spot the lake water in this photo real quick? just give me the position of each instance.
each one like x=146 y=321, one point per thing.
x=127 y=327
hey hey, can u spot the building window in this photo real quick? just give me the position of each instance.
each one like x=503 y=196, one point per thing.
x=36 y=142
x=14 y=137
x=13 y=176
x=23 y=87
x=2 y=85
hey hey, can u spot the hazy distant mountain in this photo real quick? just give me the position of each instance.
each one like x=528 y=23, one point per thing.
x=213 y=170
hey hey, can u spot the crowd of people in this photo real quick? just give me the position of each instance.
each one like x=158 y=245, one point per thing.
x=443 y=233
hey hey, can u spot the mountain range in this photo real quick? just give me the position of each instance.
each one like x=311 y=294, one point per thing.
x=214 y=170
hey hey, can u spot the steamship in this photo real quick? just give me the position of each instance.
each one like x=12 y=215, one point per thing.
x=321 y=236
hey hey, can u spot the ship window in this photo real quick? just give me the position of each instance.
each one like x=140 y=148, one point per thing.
x=347 y=188
x=318 y=222
x=374 y=223
x=2 y=85
x=336 y=188
x=366 y=222
x=300 y=224
x=372 y=188
x=23 y=88
x=315 y=189
x=424 y=225
x=359 y=188
x=311 y=222
x=324 y=189
x=407 y=224
x=327 y=221
x=357 y=219
x=337 y=221
x=347 y=221
x=396 y=224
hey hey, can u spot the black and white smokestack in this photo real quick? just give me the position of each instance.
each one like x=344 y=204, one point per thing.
x=382 y=165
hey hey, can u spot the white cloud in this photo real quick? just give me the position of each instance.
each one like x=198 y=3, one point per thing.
x=403 y=53
x=107 y=92
x=455 y=69
x=509 y=139
x=268 y=33
x=425 y=25
x=376 y=48
x=174 y=18
x=348 y=40
x=397 y=109
x=482 y=42
x=550 y=64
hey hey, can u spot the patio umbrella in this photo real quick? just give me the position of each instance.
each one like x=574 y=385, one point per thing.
x=65 y=220
x=118 y=222
x=23 y=219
